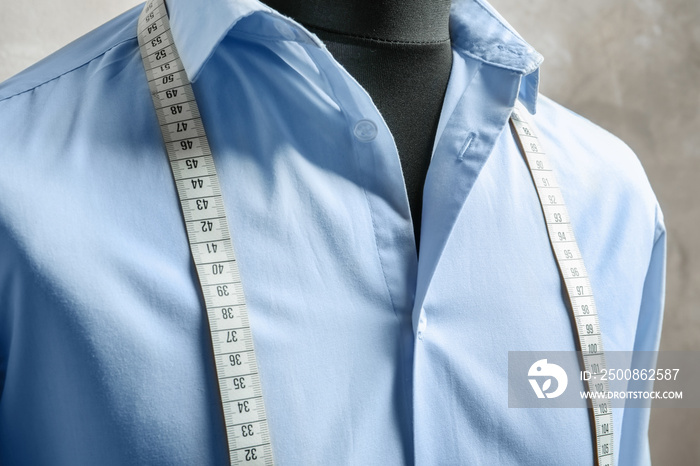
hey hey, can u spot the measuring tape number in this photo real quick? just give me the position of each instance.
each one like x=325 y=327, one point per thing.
x=576 y=281
x=209 y=238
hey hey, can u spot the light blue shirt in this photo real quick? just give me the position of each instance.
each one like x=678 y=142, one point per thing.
x=367 y=355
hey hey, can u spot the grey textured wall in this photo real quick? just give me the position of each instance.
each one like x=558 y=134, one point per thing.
x=632 y=66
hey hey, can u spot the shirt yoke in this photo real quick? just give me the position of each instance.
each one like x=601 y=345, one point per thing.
x=598 y=160
x=74 y=55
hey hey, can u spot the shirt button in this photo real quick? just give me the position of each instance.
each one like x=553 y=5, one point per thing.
x=422 y=323
x=365 y=130
x=285 y=30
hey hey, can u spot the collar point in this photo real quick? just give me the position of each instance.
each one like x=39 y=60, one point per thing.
x=529 y=90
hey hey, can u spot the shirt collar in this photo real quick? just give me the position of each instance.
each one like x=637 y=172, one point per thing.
x=477 y=30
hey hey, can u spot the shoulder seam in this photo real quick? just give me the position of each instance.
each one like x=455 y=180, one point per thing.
x=68 y=71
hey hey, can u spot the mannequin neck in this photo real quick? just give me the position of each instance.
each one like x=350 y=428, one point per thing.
x=407 y=21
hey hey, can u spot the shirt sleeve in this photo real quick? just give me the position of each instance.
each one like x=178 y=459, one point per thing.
x=634 y=438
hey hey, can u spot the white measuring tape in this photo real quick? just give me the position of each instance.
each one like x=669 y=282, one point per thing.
x=212 y=251
x=210 y=241
x=576 y=281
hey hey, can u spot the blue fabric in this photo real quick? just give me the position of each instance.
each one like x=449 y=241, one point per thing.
x=367 y=355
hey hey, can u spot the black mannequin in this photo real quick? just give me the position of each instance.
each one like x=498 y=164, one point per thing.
x=400 y=52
